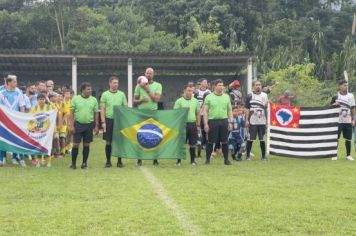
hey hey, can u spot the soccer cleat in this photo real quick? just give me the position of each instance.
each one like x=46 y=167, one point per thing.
x=194 y=163
x=227 y=162
x=139 y=163
x=350 y=158
x=155 y=163
x=207 y=162
x=108 y=165
x=73 y=167
x=84 y=166
x=264 y=159
x=178 y=163
x=119 y=164
x=14 y=161
x=22 y=163
x=334 y=158
x=248 y=158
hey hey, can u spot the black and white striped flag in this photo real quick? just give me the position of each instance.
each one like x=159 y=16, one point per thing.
x=304 y=132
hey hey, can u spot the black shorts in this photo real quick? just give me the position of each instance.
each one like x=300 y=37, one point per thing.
x=255 y=130
x=107 y=136
x=84 y=131
x=218 y=131
x=191 y=133
x=346 y=130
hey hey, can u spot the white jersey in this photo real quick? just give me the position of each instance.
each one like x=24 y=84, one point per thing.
x=200 y=95
x=257 y=104
x=347 y=102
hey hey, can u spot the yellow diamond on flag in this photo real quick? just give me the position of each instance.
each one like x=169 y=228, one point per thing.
x=149 y=134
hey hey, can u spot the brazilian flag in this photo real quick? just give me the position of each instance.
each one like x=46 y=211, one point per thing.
x=147 y=134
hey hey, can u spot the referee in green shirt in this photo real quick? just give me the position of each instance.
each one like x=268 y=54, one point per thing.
x=193 y=120
x=217 y=120
x=109 y=99
x=146 y=97
x=83 y=120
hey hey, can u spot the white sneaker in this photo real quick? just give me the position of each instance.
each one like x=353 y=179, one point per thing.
x=350 y=158
x=22 y=163
x=15 y=162
x=334 y=158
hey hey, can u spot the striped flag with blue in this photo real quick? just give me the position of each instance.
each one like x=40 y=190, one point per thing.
x=25 y=133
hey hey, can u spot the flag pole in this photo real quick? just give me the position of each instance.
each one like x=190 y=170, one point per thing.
x=268 y=127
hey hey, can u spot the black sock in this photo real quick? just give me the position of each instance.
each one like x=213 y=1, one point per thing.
x=119 y=160
x=108 y=153
x=248 y=148
x=263 y=148
x=85 y=154
x=74 y=155
x=209 y=150
x=192 y=154
x=225 y=151
x=348 y=147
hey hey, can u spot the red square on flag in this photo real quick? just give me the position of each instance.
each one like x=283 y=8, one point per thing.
x=284 y=116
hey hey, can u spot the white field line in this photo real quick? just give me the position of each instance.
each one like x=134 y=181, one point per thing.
x=177 y=211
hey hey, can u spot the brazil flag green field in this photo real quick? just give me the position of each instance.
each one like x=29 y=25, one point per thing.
x=279 y=197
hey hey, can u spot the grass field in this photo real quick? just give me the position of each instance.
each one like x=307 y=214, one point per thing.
x=279 y=197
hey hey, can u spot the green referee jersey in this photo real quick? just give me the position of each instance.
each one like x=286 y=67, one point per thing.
x=84 y=108
x=218 y=106
x=156 y=88
x=192 y=104
x=110 y=99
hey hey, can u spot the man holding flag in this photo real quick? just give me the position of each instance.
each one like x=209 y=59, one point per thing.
x=147 y=96
x=12 y=98
x=346 y=101
x=109 y=99
x=193 y=120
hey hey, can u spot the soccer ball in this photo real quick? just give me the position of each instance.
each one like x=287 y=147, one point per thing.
x=142 y=80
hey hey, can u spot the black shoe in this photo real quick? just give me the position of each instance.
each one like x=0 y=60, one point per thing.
x=108 y=165
x=178 y=163
x=238 y=159
x=84 y=166
x=119 y=164
x=73 y=167
x=207 y=162
x=227 y=162
x=234 y=158
x=264 y=159
x=139 y=163
x=155 y=163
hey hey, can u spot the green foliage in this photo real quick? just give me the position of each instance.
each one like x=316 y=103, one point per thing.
x=118 y=29
x=300 y=80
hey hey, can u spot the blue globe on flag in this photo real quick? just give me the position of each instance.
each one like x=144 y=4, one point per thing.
x=284 y=116
x=149 y=136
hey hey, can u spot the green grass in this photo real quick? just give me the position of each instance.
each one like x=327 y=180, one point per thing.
x=279 y=197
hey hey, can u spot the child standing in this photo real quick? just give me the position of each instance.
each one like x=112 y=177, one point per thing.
x=41 y=106
x=237 y=134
